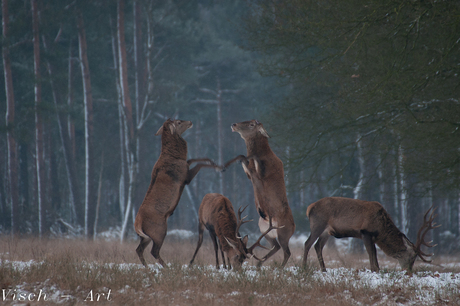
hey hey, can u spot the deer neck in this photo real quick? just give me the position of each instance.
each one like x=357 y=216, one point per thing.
x=257 y=146
x=395 y=244
x=174 y=146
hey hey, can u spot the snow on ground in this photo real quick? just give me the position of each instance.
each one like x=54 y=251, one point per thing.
x=426 y=286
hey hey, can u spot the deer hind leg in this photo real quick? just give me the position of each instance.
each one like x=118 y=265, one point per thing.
x=283 y=238
x=141 y=247
x=319 y=245
x=216 y=247
x=314 y=235
x=200 y=241
x=156 y=232
x=370 y=248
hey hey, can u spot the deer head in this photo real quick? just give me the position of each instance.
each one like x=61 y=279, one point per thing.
x=249 y=129
x=414 y=250
x=241 y=245
x=176 y=127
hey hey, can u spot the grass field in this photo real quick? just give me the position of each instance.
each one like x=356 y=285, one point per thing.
x=80 y=272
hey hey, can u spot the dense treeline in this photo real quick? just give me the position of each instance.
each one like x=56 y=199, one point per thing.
x=375 y=86
x=88 y=83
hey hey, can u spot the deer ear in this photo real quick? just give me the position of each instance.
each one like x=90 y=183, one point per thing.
x=160 y=131
x=263 y=131
x=245 y=240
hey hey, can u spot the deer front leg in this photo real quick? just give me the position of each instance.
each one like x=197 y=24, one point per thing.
x=196 y=160
x=194 y=171
x=239 y=158
x=370 y=248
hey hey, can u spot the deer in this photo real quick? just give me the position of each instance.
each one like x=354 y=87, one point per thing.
x=368 y=220
x=266 y=172
x=216 y=214
x=170 y=174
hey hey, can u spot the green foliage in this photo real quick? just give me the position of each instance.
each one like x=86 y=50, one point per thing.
x=386 y=68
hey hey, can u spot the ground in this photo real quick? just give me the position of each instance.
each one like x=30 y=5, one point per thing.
x=73 y=271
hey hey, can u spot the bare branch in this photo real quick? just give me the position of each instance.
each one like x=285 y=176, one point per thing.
x=205 y=101
x=210 y=91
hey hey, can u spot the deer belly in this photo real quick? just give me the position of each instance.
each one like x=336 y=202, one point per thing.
x=264 y=225
x=342 y=233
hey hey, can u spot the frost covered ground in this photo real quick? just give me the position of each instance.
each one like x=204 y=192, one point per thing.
x=80 y=272
x=338 y=284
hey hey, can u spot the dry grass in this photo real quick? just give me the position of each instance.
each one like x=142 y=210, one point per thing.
x=75 y=267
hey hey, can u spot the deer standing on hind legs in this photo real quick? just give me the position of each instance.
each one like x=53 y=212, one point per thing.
x=169 y=176
x=265 y=170
x=217 y=216
x=369 y=221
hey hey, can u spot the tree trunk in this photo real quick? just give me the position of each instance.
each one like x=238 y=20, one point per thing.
x=69 y=160
x=55 y=202
x=12 y=148
x=386 y=172
x=130 y=142
x=122 y=179
x=39 y=149
x=402 y=192
x=140 y=80
x=98 y=203
x=220 y=159
x=24 y=197
x=90 y=199
x=70 y=123
x=356 y=245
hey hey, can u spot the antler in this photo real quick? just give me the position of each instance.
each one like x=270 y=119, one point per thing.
x=427 y=225
x=240 y=221
x=257 y=243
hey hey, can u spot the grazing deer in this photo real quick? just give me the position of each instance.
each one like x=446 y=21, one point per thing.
x=369 y=221
x=217 y=216
x=169 y=176
x=265 y=170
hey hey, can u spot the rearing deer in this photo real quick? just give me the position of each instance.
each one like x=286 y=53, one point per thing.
x=265 y=170
x=369 y=221
x=217 y=216
x=169 y=176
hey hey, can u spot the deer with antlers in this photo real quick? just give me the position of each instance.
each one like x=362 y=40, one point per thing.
x=216 y=214
x=369 y=221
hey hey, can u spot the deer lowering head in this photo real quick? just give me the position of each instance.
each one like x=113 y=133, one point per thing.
x=217 y=216
x=344 y=217
x=407 y=260
x=266 y=172
x=169 y=176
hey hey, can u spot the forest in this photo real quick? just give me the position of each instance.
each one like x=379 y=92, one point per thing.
x=360 y=98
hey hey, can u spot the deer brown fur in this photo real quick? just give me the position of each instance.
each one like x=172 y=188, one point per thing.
x=216 y=214
x=170 y=174
x=369 y=221
x=265 y=170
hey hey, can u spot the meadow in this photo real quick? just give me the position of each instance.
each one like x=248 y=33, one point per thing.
x=74 y=271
